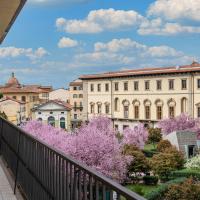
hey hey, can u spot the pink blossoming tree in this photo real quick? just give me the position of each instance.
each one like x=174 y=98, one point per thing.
x=180 y=123
x=136 y=136
x=94 y=144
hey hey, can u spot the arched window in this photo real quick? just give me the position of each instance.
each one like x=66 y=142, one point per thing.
x=184 y=105
x=116 y=104
x=126 y=108
x=147 y=109
x=159 y=109
x=136 y=107
x=62 y=122
x=51 y=121
x=171 y=107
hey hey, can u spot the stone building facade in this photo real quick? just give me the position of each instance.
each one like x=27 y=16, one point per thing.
x=143 y=95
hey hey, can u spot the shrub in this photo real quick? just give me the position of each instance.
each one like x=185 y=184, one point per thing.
x=193 y=163
x=150 y=180
x=189 y=189
x=154 y=135
x=163 y=144
x=159 y=192
x=139 y=163
x=162 y=164
x=178 y=155
x=165 y=162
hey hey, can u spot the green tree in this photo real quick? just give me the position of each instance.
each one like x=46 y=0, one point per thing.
x=154 y=135
x=1 y=95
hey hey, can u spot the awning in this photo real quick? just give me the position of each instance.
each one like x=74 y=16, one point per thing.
x=9 y=10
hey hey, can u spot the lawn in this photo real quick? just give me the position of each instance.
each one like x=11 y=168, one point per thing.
x=142 y=189
x=149 y=147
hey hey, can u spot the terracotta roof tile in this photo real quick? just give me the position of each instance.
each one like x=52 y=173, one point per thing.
x=194 y=67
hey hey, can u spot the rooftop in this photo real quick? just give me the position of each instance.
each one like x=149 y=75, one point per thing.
x=14 y=86
x=194 y=67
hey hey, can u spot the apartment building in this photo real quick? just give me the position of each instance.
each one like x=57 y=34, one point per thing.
x=76 y=100
x=30 y=94
x=143 y=95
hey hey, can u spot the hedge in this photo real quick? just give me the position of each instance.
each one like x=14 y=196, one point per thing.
x=185 y=173
x=159 y=192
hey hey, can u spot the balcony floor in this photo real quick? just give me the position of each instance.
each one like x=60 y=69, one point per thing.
x=6 y=192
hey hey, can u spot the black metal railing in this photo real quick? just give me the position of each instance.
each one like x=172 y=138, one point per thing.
x=43 y=173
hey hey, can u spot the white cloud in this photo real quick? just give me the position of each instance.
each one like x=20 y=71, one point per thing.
x=67 y=43
x=123 y=52
x=117 y=45
x=158 y=27
x=176 y=9
x=101 y=20
x=6 y=52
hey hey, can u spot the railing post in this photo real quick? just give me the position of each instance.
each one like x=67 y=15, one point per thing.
x=1 y=135
x=17 y=166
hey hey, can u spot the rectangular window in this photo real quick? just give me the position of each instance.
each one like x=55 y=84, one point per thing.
x=80 y=95
x=147 y=112
x=198 y=111
x=99 y=108
x=92 y=108
x=99 y=87
x=136 y=112
x=75 y=116
x=107 y=109
x=184 y=84
x=126 y=86
x=171 y=112
x=136 y=85
x=159 y=112
x=159 y=84
x=198 y=83
x=171 y=84
x=92 y=87
x=126 y=112
x=116 y=86
x=74 y=88
x=106 y=87
x=147 y=85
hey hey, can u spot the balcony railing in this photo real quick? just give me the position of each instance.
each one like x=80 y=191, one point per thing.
x=43 y=173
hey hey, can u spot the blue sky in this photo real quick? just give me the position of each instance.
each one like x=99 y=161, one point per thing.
x=55 y=41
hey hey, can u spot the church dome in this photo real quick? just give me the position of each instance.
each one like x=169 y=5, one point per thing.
x=13 y=81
